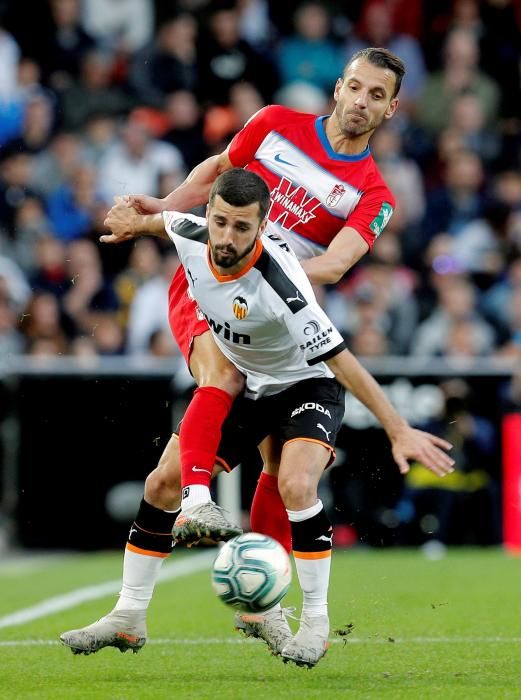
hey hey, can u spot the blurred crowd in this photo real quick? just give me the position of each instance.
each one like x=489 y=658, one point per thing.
x=105 y=97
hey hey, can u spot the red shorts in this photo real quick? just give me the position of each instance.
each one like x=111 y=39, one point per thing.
x=185 y=317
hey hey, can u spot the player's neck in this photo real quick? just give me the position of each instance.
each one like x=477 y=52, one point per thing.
x=340 y=143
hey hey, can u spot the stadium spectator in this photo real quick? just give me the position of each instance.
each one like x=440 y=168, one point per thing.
x=55 y=166
x=144 y=264
x=457 y=303
x=49 y=270
x=15 y=187
x=107 y=333
x=162 y=344
x=185 y=127
x=496 y=300
x=37 y=125
x=379 y=295
x=60 y=44
x=30 y=225
x=43 y=321
x=72 y=206
x=222 y=122
x=225 y=59
x=369 y=340
x=401 y=173
x=459 y=200
x=149 y=307
x=88 y=291
x=482 y=245
x=467 y=121
x=255 y=24
x=135 y=161
x=98 y=135
x=170 y=64
x=310 y=55
x=93 y=92
x=460 y=74
x=121 y=27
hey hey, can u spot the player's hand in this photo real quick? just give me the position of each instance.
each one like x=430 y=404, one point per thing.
x=417 y=445
x=144 y=204
x=120 y=220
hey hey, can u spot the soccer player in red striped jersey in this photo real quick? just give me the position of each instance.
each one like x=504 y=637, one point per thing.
x=328 y=201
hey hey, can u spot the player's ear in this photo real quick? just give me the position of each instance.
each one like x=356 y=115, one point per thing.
x=207 y=212
x=391 y=109
x=338 y=87
x=262 y=228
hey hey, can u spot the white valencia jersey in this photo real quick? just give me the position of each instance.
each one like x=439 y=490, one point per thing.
x=265 y=319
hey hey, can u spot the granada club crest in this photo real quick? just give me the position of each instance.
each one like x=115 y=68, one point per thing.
x=335 y=195
x=240 y=308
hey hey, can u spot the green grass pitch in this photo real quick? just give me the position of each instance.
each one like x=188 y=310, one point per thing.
x=403 y=626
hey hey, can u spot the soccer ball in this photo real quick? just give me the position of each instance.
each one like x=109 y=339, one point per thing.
x=252 y=572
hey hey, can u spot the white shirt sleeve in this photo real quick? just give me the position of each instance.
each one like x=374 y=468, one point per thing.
x=307 y=323
x=182 y=229
x=314 y=333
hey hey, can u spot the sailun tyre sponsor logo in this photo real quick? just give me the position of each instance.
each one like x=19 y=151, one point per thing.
x=318 y=341
x=311 y=328
x=240 y=308
x=380 y=222
x=311 y=406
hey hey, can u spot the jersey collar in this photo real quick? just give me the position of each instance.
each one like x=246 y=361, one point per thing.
x=229 y=278
x=321 y=133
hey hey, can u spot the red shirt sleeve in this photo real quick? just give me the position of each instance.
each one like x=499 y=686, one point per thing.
x=372 y=213
x=244 y=145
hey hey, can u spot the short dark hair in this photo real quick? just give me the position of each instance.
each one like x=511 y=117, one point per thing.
x=383 y=59
x=239 y=188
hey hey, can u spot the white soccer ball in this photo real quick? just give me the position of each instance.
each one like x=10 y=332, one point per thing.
x=252 y=572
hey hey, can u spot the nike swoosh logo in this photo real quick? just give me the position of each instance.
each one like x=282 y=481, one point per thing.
x=281 y=160
x=196 y=469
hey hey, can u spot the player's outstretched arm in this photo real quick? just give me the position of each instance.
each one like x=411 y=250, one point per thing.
x=407 y=442
x=125 y=223
x=346 y=249
x=192 y=192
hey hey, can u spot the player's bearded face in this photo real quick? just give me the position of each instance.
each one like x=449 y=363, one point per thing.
x=233 y=233
x=227 y=255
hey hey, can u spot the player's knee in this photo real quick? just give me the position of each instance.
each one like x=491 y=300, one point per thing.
x=297 y=490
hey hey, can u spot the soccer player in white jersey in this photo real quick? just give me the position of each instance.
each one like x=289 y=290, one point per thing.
x=365 y=95
x=263 y=315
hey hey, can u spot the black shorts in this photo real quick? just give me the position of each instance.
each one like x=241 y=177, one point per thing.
x=312 y=409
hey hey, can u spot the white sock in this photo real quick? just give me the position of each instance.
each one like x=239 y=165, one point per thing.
x=140 y=573
x=313 y=568
x=195 y=494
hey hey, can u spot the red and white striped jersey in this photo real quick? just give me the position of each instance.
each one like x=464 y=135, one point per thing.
x=315 y=191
